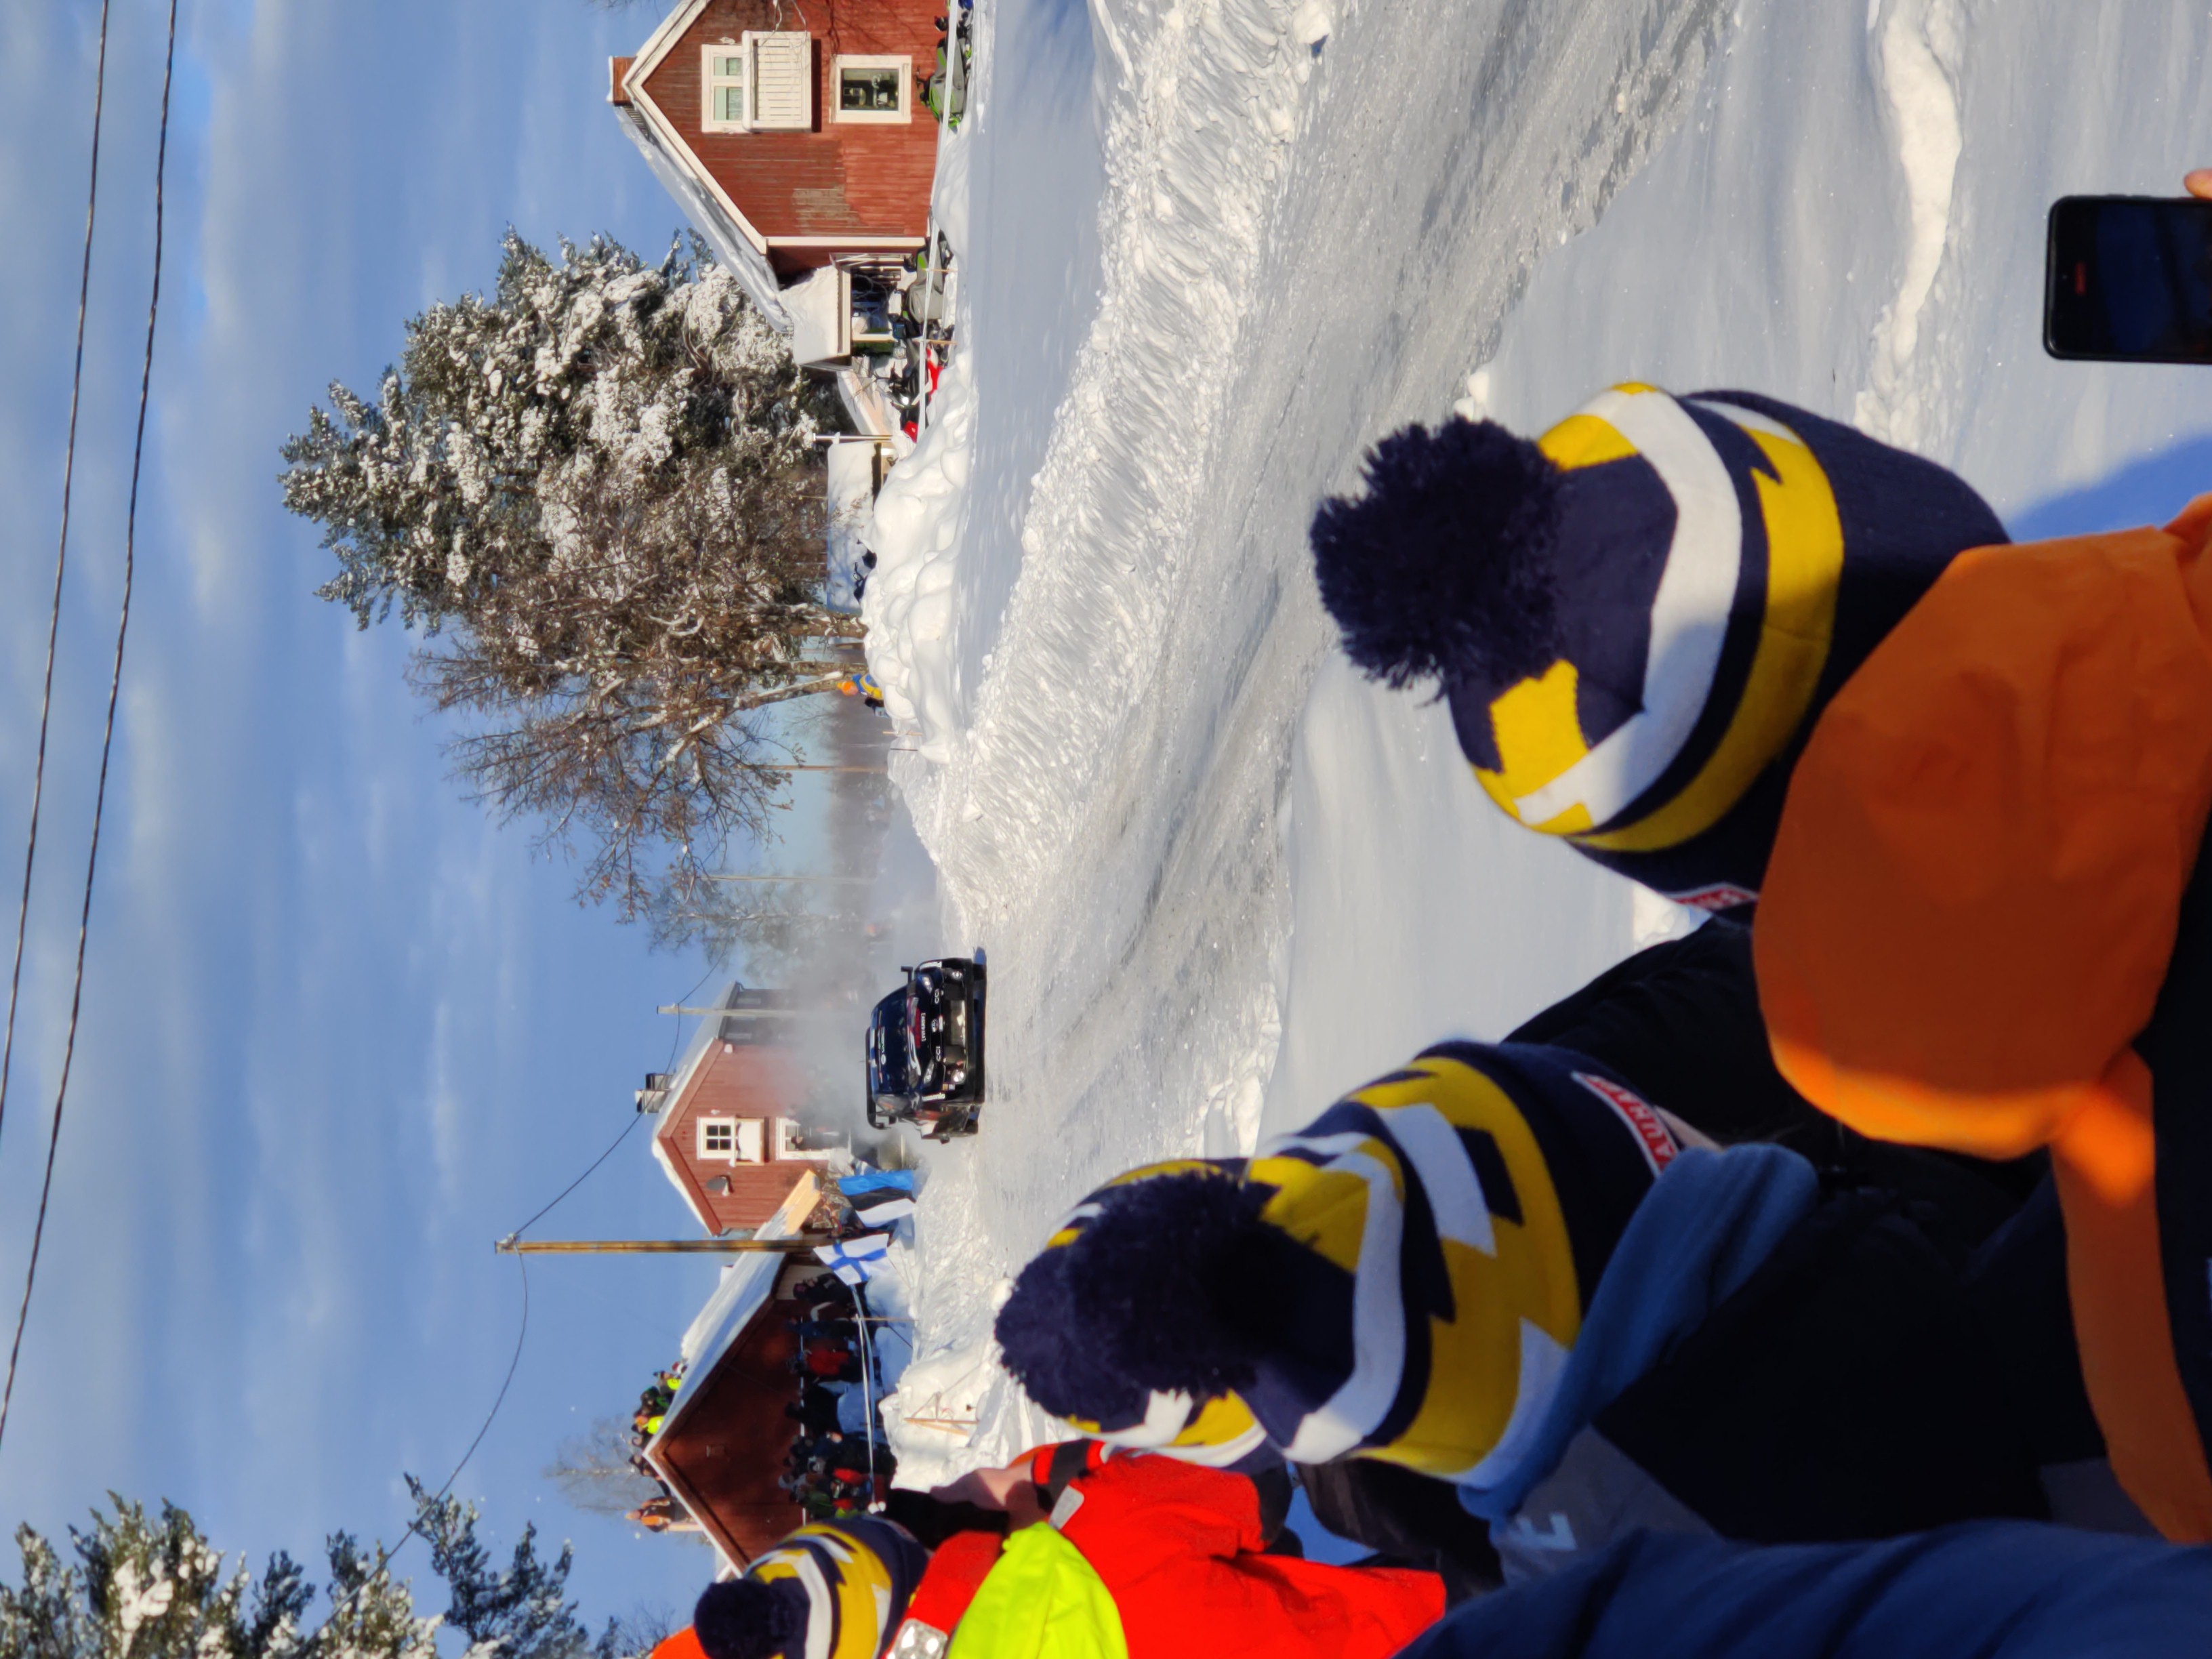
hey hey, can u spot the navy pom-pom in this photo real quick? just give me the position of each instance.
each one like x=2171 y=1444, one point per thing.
x=1444 y=569
x=1142 y=1300
x=1044 y=1348
x=746 y=1619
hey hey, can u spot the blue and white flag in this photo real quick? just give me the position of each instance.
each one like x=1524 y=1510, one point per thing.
x=856 y=1260
x=876 y=1181
x=881 y=1213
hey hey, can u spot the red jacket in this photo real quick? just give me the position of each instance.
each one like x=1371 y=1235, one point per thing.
x=1179 y=1549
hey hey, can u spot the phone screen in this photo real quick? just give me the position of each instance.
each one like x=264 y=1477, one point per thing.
x=2129 y=279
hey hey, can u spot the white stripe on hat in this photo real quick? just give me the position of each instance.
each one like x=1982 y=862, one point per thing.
x=821 y=1598
x=1689 y=613
x=1542 y=1359
x=1378 y=1325
x=1440 y=1162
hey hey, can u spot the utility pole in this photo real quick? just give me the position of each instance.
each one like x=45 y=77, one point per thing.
x=512 y=1246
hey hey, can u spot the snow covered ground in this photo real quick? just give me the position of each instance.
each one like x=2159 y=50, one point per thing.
x=1215 y=247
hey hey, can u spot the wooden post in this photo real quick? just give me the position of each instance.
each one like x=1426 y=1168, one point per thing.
x=512 y=1246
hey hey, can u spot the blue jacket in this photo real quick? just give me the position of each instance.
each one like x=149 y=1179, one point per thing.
x=1983 y=1590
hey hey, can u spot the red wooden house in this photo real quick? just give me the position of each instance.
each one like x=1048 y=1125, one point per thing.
x=726 y=1139
x=794 y=136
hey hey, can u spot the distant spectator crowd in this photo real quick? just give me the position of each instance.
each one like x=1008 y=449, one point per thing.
x=829 y=1472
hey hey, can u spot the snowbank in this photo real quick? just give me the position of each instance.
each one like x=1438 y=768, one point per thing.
x=915 y=537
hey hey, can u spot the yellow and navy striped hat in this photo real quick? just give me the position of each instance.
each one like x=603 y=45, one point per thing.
x=1403 y=1279
x=1216 y=1433
x=833 y=1590
x=1637 y=617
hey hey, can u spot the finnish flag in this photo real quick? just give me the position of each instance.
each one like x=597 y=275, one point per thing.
x=854 y=1260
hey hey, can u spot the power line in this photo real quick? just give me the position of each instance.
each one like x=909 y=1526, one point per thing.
x=107 y=735
x=415 y=1528
x=589 y=1169
x=514 y=1360
x=580 y=1180
x=61 y=561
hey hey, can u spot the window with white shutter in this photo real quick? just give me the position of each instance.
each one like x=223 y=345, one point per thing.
x=731 y=1139
x=783 y=80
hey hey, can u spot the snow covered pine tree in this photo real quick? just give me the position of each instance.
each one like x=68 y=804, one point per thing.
x=156 y=1588
x=596 y=494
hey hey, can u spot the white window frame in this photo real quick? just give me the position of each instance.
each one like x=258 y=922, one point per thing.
x=838 y=65
x=748 y=1145
x=709 y=80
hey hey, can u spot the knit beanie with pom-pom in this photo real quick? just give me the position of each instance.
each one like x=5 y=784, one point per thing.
x=846 y=1582
x=1400 y=1280
x=1639 y=617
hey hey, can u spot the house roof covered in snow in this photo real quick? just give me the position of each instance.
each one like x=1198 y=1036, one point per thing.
x=721 y=225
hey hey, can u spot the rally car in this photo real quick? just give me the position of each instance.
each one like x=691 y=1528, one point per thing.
x=925 y=1059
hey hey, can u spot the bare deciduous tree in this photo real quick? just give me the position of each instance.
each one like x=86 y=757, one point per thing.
x=595 y=1473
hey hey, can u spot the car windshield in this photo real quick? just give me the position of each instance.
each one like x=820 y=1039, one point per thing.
x=889 y=1046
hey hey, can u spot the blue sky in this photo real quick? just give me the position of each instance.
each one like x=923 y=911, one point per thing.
x=341 y=1031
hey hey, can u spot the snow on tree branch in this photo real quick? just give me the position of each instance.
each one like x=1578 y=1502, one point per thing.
x=595 y=496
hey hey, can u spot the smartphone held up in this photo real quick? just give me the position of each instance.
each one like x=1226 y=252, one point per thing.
x=2129 y=279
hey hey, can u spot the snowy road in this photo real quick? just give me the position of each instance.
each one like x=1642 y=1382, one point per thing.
x=1216 y=248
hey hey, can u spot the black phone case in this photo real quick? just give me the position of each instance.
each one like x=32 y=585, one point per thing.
x=2050 y=280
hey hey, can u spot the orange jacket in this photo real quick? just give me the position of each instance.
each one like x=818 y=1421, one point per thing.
x=1972 y=903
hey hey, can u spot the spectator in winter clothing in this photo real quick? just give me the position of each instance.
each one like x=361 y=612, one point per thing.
x=837 y=1332
x=1143 y=1558
x=1679 y=1022
x=824 y=1290
x=1500 y=1268
x=1732 y=650
x=1408 y=1519
x=816 y=1410
x=2007 y=1590
x=829 y=1365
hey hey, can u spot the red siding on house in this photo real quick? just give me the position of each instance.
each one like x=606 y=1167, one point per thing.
x=740 y=1080
x=842 y=179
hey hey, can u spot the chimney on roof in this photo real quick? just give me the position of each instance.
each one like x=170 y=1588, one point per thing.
x=618 y=72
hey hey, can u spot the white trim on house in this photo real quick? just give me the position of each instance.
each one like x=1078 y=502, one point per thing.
x=903 y=68
x=658 y=45
x=704 y=1042
x=737 y=243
